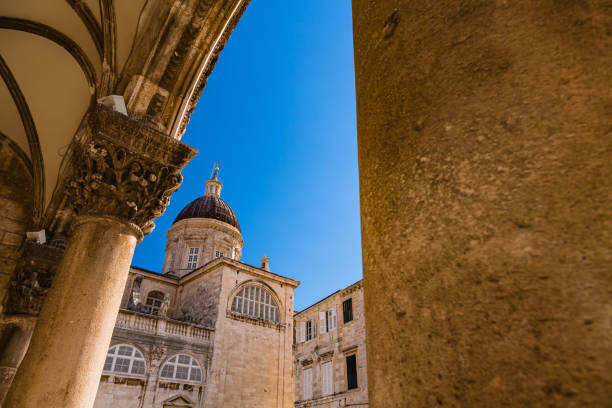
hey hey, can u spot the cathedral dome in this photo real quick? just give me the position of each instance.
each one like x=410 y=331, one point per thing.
x=209 y=206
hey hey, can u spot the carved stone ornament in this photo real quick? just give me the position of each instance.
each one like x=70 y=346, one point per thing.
x=33 y=278
x=157 y=352
x=123 y=168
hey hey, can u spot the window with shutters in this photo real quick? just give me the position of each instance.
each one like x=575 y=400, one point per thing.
x=192 y=257
x=310 y=330
x=124 y=359
x=347 y=310
x=256 y=302
x=182 y=367
x=327 y=320
x=351 y=371
x=308 y=383
x=327 y=378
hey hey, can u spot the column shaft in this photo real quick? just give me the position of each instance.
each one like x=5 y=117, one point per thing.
x=63 y=364
x=485 y=161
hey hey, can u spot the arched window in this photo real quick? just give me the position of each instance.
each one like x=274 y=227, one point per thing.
x=154 y=302
x=124 y=359
x=182 y=367
x=256 y=302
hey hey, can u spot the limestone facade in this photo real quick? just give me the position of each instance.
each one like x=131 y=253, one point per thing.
x=330 y=352
x=244 y=361
x=209 y=332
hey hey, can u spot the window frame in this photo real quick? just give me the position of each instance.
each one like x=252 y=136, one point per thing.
x=348 y=377
x=310 y=330
x=153 y=308
x=135 y=355
x=327 y=378
x=257 y=302
x=307 y=384
x=193 y=255
x=347 y=310
x=193 y=363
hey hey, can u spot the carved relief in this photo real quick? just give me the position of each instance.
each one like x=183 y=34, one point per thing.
x=124 y=169
x=157 y=352
x=33 y=278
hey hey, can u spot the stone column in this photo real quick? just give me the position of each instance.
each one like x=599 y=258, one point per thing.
x=121 y=177
x=485 y=161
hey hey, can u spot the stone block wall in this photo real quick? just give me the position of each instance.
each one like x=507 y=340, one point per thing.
x=199 y=299
x=347 y=339
x=252 y=359
x=16 y=209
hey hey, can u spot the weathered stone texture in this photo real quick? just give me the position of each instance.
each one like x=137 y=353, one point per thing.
x=251 y=363
x=347 y=339
x=199 y=300
x=485 y=161
x=16 y=206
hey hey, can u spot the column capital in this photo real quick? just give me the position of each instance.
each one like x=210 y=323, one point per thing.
x=123 y=168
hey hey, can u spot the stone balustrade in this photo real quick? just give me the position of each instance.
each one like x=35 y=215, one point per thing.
x=164 y=327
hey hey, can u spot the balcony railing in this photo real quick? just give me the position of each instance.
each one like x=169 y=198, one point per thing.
x=163 y=327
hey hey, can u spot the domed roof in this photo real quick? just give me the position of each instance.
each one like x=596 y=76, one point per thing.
x=209 y=206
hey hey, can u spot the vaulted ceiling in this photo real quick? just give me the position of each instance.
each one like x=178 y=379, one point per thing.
x=59 y=57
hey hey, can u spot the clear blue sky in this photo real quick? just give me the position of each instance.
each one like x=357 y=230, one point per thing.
x=279 y=113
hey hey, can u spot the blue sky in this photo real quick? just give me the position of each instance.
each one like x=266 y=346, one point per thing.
x=279 y=113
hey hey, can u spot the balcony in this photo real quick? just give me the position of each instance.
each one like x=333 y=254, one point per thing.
x=163 y=327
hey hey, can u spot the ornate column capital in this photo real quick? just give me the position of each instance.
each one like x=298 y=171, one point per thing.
x=123 y=168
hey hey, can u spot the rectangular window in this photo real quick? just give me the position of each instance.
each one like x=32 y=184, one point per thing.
x=309 y=330
x=330 y=319
x=351 y=371
x=327 y=320
x=327 y=374
x=218 y=254
x=192 y=257
x=347 y=310
x=307 y=383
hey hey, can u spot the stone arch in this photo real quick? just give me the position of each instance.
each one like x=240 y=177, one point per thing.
x=258 y=283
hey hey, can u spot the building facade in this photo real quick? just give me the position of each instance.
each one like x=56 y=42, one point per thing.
x=330 y=352
x=210 y=331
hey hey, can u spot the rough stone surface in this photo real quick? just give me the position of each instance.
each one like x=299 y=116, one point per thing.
x=16 y=201
x=485 y=161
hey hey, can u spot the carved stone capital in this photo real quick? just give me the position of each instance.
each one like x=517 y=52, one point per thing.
x=125 y=169
x=33 y=278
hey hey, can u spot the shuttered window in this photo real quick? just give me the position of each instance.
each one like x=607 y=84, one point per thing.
x=347 y=310
x=327 y=321
x=327 y=374
x=351 y=371
x=310 y=330
x=307 y=383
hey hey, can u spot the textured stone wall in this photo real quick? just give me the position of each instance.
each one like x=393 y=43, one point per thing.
x=16 y=201
x=199 y=300
x=251 y=365
x=208 y=235
x=347 y=339
x=485 y=160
